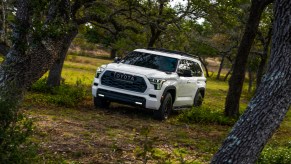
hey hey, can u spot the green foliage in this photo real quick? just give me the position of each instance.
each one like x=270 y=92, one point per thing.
x=146 y=148
x=205 y=115
x=148 y=152
x=280 y=155
x=63 y=95
x=15 y=129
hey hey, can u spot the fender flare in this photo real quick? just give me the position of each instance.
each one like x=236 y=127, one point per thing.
x=168 y=88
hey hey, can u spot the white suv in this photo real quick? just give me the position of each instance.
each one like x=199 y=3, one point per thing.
x=156 y=79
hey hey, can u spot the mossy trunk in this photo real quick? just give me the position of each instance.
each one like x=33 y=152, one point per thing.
x=54 y=77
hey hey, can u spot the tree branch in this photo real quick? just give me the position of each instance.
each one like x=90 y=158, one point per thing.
x=90 y=18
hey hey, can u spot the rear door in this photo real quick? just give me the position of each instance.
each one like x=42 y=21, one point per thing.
x=186 y=85
x=197 y=74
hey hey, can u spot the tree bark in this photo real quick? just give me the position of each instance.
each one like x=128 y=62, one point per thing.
x=54 y=77
x=155 y=34
x=238 y=75
x=15 y=62
x=271 y=102
x=4 y=17
x=204 y=65
x=228 y=73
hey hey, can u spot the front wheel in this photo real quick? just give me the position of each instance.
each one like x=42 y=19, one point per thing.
x=198 y=99
x=101 y=103
x=165 y=109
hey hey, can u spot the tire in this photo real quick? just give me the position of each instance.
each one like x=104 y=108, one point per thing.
x=101 y=103
x=198 y=99
x=165 y=109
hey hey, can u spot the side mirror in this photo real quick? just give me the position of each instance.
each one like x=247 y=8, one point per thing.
x=187 y=73
x=117 y=59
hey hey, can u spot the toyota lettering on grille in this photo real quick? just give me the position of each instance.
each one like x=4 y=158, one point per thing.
x=124 y=77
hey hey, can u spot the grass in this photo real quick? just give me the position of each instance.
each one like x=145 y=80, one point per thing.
x=80 y=133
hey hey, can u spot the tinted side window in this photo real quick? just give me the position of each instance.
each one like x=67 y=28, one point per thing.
x=183 y=65
x=195 y=68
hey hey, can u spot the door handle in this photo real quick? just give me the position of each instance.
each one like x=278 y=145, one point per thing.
x=188 y=81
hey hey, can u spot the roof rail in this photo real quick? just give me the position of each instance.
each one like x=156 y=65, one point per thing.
x=173 y=52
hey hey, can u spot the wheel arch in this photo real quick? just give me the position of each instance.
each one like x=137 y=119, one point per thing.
x=172 y=90
x=202 y=91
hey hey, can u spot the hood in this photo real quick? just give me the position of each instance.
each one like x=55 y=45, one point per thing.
x=148 y=72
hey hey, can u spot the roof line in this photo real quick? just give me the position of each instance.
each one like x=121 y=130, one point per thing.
x=173 y=52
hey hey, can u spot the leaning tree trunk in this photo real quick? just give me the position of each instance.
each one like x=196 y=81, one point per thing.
x=155 y=34
x=271 y=102
x=54 y=77
x=12 y=75
x=113 y=53
x=238 y=75
x=203 y=62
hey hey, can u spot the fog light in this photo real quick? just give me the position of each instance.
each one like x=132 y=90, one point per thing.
x=138 y=103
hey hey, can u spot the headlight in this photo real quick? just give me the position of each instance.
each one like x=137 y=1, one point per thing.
x=158 y=83
x=99 y=71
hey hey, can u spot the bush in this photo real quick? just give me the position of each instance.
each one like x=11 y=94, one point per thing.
x=63 y=95
x=205 y=115
x=15 y=129
x=280 y=155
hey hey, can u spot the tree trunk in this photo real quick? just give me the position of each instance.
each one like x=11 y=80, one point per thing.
x=155 y=34
x=204 y=65
x=54 y=77
x=4 y=16
x=12 y=76
x=220 y=66
x=238 y=75
x=113 y=53
x=271 y=102
x=228 y=73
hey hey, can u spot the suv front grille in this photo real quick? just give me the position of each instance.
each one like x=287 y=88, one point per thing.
x=135 y=83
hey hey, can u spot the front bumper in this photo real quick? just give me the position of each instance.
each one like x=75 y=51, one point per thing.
x=150 y=99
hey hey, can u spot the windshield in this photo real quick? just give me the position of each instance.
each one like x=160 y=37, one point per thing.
x=162 y=63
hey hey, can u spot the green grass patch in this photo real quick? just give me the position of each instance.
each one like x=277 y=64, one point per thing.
x=276 y=155
x=205 y=115
x=63 y=95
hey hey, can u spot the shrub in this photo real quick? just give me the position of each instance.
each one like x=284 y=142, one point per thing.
x=205 y=115
x=63 y=95
x=280 y=155
x=15 y=129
